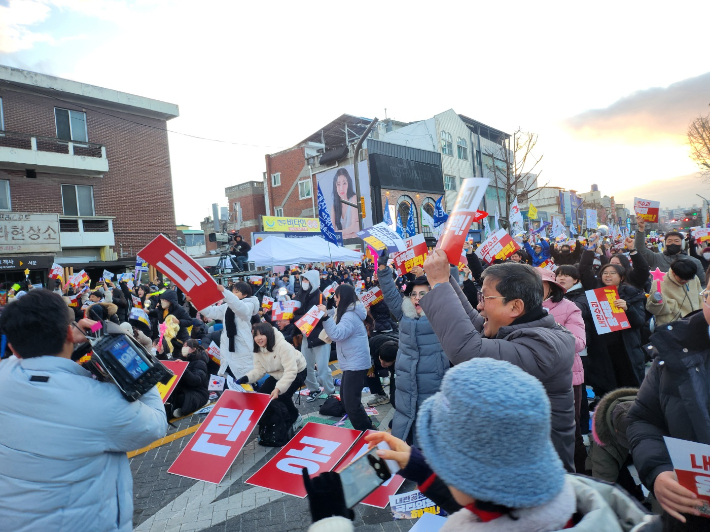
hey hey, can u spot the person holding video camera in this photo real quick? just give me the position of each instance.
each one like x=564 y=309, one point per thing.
x=65 y=435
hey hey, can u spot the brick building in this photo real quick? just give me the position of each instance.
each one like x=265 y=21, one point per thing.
x=95 y=162
x=246 y=207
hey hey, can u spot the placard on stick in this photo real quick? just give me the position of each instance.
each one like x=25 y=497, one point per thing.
x=462 y=215
x=178 y=368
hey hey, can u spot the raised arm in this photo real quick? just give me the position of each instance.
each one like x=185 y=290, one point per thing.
x=389 y=291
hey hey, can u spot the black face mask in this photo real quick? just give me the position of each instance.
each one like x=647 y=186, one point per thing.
x=673 y=249
x=565 y=251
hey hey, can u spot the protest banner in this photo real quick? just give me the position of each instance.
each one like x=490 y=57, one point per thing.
x=192 y=279
x=359 y=286
x=646 y=210
x=379 y=498
x=267 y=302
x=412 y=505
x=607 y=316
x=178 y=368
x=57 y=272
x=309 y=320
x=107 y=275
x=316 y=447
x=79 y=278
x=591 y=219
x=328 y=292
x=216 y=444
x=216 y=383
x=214 y=353
x=415 y=255
x=429 y=523
x=256 y=280
x=500 y=245
x=380 y=236
x=371 y=297
x=691 y=462
x=462 y=216
x=137 y=303
x=282 y=310
x=700 y=234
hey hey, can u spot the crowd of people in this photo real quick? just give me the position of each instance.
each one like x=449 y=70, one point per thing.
x=494 y=372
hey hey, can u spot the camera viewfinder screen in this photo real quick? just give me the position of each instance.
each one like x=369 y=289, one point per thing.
x=128 y=357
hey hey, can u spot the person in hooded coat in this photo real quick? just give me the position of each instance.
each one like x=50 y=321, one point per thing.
x=169 y=305
x=191 y=392
x=421 y=362
x=315 y=350
x=564 y=254
x=673 y=251
x=235 y=344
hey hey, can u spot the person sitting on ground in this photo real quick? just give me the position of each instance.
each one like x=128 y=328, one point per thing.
x=284 y=364
x=510 y=325
x=673 y=251
x=677 y=295
x=498 y=471
x=191 y=392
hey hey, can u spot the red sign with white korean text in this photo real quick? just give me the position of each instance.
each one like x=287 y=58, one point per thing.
x=309 y=320
x=462 y=216
x=414 y=256
x=607 y=316
x=371 y=297
x=647 y=209
x=500 y=245
x=178 y=368
x=316 y=447
x=267 y=302
x=691 y=462
x=220 y=438
x=379 y=498
x=192 y=279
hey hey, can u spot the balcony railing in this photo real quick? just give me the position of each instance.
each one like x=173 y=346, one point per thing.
x=22 y=151
x=85 y=231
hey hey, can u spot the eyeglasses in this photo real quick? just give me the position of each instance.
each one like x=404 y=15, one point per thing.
x=418 y=294
x=482 y=298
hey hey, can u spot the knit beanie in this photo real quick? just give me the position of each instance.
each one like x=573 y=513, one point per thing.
x=487 y=434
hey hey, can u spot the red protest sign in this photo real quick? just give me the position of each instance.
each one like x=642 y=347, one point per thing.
x=267 y=302
x=691 y=462
x=500 y=245
x=309 y=320
x=192 y=279
x=607 y=316
x=646 y=209
x=178 y=368
x=414 y=256
x=379 y=498
x=282 y=310
x=316 y=447
x=220 y=438
x=371 y=297
x=462 y=216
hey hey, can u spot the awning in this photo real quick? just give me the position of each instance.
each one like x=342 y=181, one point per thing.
x=277 y=251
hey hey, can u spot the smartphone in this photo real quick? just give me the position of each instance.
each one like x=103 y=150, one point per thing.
x=363 y=476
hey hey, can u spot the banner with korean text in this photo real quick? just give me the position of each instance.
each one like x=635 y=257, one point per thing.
x=646 y=210
x=380 y=236
x=283 y=310
x=607 y=316
x=500 y=245
x=309 y=320
x=415 y=255
x=371 y=296
x=214 y=447
x=192 y=279
x=178 y=368
x=691 y=462
x=462 y=216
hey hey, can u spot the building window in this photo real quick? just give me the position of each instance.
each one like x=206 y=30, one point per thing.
x=447 y=147
x=304 y=189
x=404 y=204
x=5 y=196
x=276 y=179
x=462 y=148
x=278 y=211
x=78 y=200
x=2 y=117
x=449 y=182
x=71 y=125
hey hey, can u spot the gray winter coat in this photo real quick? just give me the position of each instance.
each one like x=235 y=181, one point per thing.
x=663 y=261
x=541 y=347
x=421 y=361
x=350 y=337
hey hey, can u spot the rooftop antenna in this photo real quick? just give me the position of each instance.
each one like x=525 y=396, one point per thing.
x=385 y=113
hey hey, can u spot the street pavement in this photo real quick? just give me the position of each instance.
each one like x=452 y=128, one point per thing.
x=169 y=503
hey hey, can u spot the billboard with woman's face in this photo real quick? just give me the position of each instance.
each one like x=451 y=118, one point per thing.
x=339 y=184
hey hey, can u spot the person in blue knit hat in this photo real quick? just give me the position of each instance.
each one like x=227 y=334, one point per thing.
x=487 y=459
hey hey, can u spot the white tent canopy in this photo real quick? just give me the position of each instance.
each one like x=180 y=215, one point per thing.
x=279 y=251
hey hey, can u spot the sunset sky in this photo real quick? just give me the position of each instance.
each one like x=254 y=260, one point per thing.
x=610 y=87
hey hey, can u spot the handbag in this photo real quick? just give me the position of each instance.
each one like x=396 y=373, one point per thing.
x=332 y=407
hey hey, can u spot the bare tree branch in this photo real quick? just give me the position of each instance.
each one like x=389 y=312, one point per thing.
x=699 y=140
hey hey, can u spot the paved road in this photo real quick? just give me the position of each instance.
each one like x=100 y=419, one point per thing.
x=169 y=503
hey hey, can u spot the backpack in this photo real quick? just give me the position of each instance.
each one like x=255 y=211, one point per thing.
x=275 y=428
x=332 y=407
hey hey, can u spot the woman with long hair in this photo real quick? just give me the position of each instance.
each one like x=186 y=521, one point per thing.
x=191 y=392
x=347 y=330
x=344 y=216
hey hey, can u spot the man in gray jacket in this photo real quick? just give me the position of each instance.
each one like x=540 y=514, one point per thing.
x=673 y=251
x=64 y=435
x=512 y=326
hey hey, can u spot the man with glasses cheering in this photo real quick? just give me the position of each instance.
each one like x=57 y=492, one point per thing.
x=510 y=324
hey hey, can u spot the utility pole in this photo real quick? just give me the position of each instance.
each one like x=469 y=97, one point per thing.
x=358 y=197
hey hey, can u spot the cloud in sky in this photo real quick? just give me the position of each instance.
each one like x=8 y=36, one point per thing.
x=15 y=20
x=647 y=115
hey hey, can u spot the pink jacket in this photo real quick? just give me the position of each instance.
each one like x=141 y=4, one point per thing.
x=567 y=314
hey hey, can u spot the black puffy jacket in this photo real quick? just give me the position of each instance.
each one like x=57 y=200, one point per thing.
x=673 y=399
x=194 y=382
x=176 y=310
x=307 y=300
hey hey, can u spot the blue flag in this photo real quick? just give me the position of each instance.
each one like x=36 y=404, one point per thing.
x=386 y=215
x=400 y=229
x=326 y=225
x=540 y=229
x=411 y=228
x=440 y=216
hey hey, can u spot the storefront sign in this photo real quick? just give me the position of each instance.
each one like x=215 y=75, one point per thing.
x=291 y=225
x=29 y=233
x=38 y=262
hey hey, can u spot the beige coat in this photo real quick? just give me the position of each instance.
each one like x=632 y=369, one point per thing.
x=283 y=363
x=678 y=300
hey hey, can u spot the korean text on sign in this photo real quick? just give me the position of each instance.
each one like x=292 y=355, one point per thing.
x=371 y=297
x=607 y=316
x=309 y=320
x=380 y=236
x=646 y=209
x=500 y=245
x=462 y=215
x=691 y=462
x=415 y=255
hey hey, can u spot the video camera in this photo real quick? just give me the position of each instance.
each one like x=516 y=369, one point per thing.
x=113 y=356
